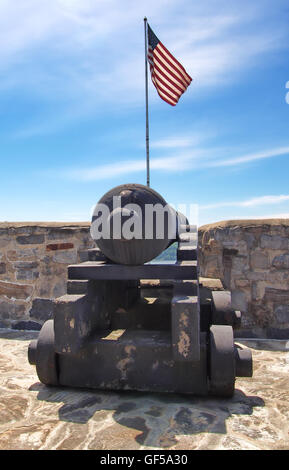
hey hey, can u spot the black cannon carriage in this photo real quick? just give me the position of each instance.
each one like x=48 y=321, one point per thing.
x=130 y=323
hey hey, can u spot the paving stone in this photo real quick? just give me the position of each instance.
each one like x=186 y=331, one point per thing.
x=33 y=416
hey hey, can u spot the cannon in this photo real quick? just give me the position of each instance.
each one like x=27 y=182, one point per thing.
x=129 y=322
x=131 y=202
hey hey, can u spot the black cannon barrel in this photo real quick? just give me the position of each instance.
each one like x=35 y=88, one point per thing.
x=132 y=224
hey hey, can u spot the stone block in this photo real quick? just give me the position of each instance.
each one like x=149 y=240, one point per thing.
x=280 y=277
x=278 y=333
x=26 y=275
x=26 y=265
x=16 y=255
x=59 y=246
x=275 y=242
x=42 y=309
x=61 y=233
x=239 y=265
x=250 y=240
x=59 y=289
x=259 y=260
x=36 y=239
x=2 y=268
x=22 y=230
x=234 y=248
x=239 y=300
x=12 y=309
x=282 y=313
x=228 y=252
x=281 y=261
x=4 y=241
x=15 y=290
x=279 y=296
x=26 y=325
x=242 y=283
x=256 y=275
x=258 y=290
x=65 y=257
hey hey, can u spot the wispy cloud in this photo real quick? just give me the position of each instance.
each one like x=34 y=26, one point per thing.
x=191 y=159
x=92 y=52
x=125 y=167
x=251 y=157
x=253 y=202
x=174 y=143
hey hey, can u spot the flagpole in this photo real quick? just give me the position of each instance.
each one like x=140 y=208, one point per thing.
x=147 y=106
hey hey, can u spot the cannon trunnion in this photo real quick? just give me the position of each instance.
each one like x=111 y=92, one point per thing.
x=147 y=327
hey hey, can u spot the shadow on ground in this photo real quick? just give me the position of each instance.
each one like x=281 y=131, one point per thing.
x=159 y=418
x=18 y=335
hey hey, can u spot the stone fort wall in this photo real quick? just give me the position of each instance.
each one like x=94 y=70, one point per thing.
x=33 y=268
x=251 y=257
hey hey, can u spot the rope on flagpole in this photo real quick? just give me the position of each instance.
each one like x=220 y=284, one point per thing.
x=147 y=106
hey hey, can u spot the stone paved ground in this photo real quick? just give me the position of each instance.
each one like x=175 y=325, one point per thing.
x=33 y=416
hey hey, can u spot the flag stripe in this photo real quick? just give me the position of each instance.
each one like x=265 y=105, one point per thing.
x=179 y=89
x=162 y=71
x=165 y=90
x=176 y=62
x=163 y=97
x=167 y=70
x=164 y=84
x=168 y=75
x=162 y=93
x=172 y=65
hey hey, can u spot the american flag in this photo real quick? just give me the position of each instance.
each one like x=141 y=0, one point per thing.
x=168 y=75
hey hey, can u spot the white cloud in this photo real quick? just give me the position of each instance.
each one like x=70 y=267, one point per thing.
x=250 y=157
x=105 y=171
x=189 y=140
x=192 y=159
x=167 y=164
x=257 y=201
x=92 y=51
x=172 y=143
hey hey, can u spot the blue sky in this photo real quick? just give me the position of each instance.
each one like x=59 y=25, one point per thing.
x=73 y=115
